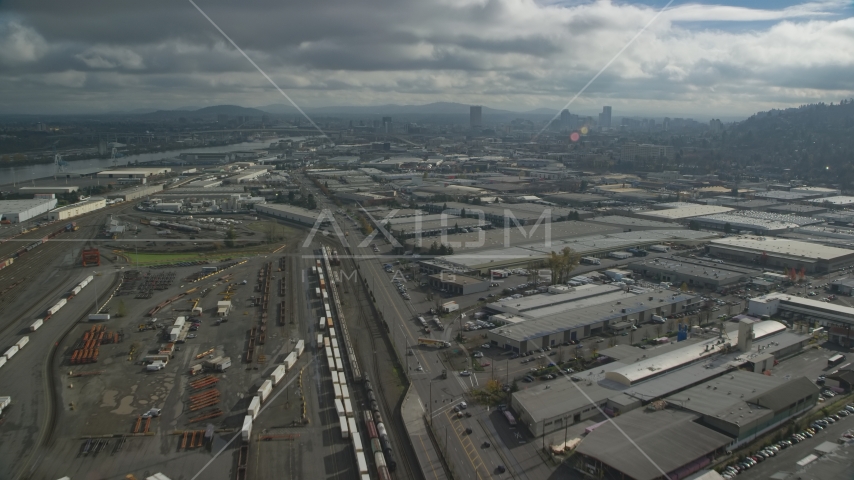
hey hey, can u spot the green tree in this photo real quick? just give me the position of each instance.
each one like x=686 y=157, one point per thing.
x=562 y=264
x=230 y=236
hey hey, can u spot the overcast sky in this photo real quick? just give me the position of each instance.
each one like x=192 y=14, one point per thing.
x=723 y=58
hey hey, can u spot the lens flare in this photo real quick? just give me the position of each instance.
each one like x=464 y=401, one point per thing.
x=584 y=130
x=574 y=136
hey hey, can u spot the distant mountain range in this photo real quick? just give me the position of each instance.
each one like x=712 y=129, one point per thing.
x=438 y=108
x=230 y=110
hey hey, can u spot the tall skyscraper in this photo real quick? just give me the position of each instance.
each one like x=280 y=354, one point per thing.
x=475 y=116
x=387 y=124
x=605 y=117
x=565 y=117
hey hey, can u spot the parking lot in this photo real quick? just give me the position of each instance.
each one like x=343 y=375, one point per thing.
x=784 y=455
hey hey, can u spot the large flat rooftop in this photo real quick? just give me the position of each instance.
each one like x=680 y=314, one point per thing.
x=684 y=369
x=648 y=441
x=493 y=252
x=782 y=246
x=683 y=212
x=587 y=311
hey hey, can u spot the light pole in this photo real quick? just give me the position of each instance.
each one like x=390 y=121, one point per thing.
x=431 y=402
x=507 y=381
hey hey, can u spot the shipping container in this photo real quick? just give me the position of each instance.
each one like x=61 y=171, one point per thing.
x=278 y=374
x=254 y=406
x=300 y=347
x=348 y=407
x=2 y=361
x=342 y=379
x=351 y=425
x=322 y=324
x=174 y=333
x=246 y=430
x=290 y=360
x=329 y=323
x=330 y=357
x=339 y=407
x=337 y=389
x=334 y=343
x=317 y=293
x=345 y=432
x=10 y=352
x=345 y=391
x=319 y=340
x=357 y=444
x=361 y=463
x=265 y=389
x=326 y=342
x=99 y=317
x=22 y=342
x=5 y=402
x=36 y=325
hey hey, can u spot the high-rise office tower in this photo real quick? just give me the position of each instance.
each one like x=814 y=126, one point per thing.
x=475 y=116
x=387 y=124
x=565 y=117
x=605 y=117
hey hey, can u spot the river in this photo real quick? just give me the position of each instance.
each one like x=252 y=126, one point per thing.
x=21 y=173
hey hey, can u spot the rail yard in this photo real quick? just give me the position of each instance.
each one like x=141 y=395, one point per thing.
x=215 y=367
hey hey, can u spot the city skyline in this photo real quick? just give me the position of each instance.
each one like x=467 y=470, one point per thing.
x=723 y=59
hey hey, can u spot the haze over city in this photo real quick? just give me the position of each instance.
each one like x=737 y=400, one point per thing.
x=724 y=59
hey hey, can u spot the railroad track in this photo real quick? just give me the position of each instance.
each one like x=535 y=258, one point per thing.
x=390 y=405
x=44 y=260
x=50 y=385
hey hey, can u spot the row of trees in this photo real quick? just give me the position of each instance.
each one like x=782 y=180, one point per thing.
x=436 y=249
x=307 y=201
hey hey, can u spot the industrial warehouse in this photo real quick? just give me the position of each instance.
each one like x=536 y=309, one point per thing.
x=781 y=252
x=17 y=211
x=693 y=273
x=544 y=320
x=705 y=378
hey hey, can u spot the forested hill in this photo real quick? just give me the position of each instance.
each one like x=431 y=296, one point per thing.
x=816 y=141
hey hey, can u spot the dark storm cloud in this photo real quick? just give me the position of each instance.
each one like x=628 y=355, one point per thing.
x=55 y=53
